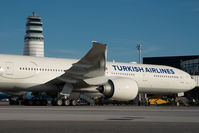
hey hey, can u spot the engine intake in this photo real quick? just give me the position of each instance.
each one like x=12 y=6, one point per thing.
x=121 y=89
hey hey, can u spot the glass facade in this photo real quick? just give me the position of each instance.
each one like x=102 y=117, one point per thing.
x=191 y=66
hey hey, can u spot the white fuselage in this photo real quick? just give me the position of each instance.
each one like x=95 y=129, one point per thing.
x=19 y=73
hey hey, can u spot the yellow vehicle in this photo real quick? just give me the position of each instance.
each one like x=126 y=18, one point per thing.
x=158 y=100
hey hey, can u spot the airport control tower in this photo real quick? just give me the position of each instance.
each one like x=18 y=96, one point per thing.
x=33 y=40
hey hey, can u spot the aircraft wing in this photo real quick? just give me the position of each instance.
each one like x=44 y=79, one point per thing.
x=92 y=65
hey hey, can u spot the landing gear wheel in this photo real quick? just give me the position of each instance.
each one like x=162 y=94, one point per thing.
x=67 y=102
x=74 y=102
x=59 y=102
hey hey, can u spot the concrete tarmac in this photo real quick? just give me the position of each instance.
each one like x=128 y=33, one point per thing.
x=94 y=119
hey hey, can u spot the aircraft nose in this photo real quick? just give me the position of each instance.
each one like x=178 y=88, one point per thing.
x=193 y=83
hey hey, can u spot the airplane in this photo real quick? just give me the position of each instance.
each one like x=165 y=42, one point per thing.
x=59 y=77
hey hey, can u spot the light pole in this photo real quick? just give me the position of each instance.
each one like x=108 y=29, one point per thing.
x=140 y=95
x=139 y=47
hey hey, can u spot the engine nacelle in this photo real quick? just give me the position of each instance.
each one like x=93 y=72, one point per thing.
x=121 y=89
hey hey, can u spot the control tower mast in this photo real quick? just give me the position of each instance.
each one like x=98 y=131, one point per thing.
x=33 y=40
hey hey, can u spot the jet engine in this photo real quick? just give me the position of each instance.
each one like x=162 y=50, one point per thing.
x=121 y=89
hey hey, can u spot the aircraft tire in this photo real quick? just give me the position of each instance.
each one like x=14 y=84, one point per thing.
x=59 y=102
x=67 y=102
x=74 y=102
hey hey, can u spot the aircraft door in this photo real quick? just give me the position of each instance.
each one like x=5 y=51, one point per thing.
x=9 y=67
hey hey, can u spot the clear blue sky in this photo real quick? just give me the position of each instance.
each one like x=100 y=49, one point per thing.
x=164 y=27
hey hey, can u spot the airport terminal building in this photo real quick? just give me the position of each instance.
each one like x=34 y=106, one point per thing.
x=189 y=64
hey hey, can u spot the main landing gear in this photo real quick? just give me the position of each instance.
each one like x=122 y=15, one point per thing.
x=59 y=100
x=65 y=102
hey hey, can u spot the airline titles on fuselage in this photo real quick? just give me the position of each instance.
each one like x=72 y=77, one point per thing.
x=142 y=69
